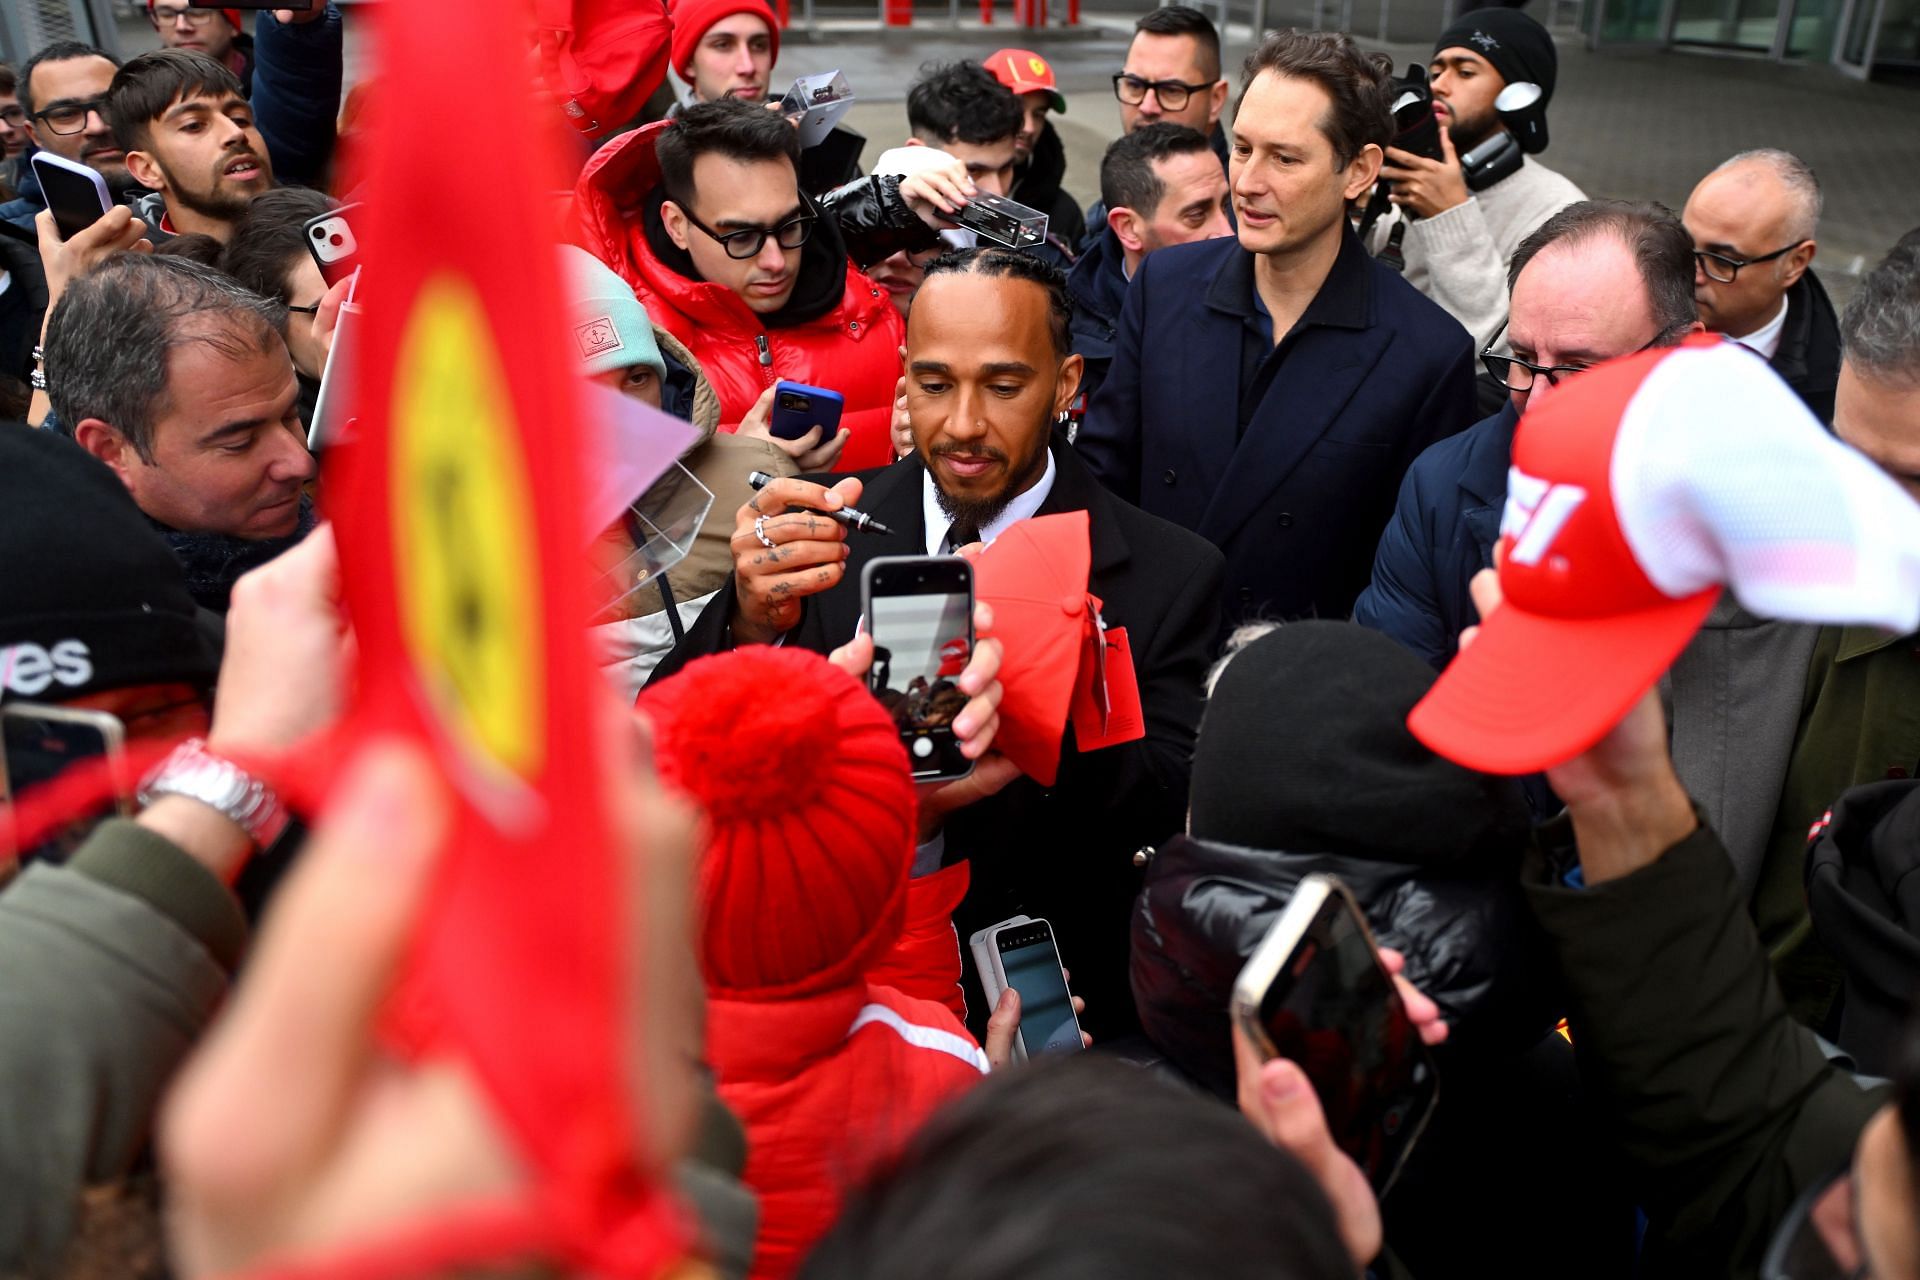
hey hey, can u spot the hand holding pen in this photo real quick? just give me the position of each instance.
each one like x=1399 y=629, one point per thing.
x=847 y=516
x=789 y=542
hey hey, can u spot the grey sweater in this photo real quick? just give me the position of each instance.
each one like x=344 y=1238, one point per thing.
x=1459 y=257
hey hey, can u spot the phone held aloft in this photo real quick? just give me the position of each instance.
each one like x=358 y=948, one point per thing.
x=76 y=194
x=1315 y=992
x=335 y=249
x=1021 y=953
x=919 y=610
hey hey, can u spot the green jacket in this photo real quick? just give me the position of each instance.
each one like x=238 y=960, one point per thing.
x=1725 y=1107
x=110 y=967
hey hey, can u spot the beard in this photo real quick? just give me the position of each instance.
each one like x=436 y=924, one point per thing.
x=217 y=201
x=979 y=512
x=1470 y=131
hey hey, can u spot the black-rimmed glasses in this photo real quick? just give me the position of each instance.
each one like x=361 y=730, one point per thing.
x=1716 y=263
x=1173 y=94
x=748 y=241
x=70 y=117
x=1516 y=374
x=14 y=116
x=312 y=310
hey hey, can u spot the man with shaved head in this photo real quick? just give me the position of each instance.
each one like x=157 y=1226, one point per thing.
x=1754 y=222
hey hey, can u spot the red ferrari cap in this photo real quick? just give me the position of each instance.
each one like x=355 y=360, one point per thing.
x=1024 y=71
x=1635 y=493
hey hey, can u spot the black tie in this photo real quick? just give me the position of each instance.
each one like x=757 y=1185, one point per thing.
x=959 y=534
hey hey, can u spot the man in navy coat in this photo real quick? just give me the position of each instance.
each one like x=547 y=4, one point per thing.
x=1269 y=393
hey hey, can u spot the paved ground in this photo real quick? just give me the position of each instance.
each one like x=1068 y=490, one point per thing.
x=1640 y=125
x=1637 y=125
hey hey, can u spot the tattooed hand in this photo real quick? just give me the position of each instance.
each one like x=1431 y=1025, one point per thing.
x=807 y=555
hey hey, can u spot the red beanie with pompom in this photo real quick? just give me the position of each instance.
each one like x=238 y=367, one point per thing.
x=692 y=18
x=810 y=809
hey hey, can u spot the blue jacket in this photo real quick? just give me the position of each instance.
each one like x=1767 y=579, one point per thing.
x=1443 y=531
x=1371 y=375
x=1097 y=287
x=296 y=77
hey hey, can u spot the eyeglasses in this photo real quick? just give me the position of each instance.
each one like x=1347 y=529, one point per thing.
x=13 y=117
x=1173 y=94
x=748 y=241
x=194 y=14
x=70 y=117
x=1516 y=374
x=313 y=310
x=1715 y=263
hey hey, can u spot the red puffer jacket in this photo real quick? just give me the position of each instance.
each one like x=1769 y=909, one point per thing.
x=852 y=349
x=826 y=1085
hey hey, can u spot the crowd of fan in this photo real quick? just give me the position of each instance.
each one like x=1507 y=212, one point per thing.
x=1264 y=421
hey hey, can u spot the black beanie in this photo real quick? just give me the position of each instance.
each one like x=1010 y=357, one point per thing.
x=1304 y=747
x=91 y=597
x=1518 y=47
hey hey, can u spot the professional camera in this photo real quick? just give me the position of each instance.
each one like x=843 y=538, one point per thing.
x=1416 y=128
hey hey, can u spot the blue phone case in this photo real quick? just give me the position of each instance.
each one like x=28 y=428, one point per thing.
x=790 y=421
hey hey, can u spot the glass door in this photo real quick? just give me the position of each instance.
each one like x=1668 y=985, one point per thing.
x=1743 y=25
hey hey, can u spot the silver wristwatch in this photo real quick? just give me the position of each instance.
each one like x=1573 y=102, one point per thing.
x=193 y=771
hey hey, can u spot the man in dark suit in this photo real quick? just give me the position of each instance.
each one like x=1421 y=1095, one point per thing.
x=989 y=370
x=1754 y=221
x=1270 y=393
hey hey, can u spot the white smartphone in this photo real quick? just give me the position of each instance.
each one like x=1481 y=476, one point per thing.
x=1021 y=953
x=1315 y=992
x=76 y=194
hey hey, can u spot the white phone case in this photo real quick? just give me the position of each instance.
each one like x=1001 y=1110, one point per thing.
x=993 y=976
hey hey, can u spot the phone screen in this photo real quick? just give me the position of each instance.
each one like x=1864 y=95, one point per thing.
x=38 y=749
x=1335 y=1012
x=1032 y=966
x=920 y=612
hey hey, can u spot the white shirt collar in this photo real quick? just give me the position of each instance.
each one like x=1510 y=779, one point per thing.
x=1020 y=508
x=1766 y=339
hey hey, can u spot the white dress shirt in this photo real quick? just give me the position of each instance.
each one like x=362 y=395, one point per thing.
x=1766 y=339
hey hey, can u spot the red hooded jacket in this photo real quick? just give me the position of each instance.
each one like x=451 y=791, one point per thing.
x=852 y=349
x=827 y=1085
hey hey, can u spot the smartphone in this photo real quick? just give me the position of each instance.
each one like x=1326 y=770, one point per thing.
x=1314 y=992
x=798 y=408
x=42 y=742
x=335 y=249
x=332 y=414
x=919 y=610
x=815 y=105
x=1029 y=961
x=76 y=194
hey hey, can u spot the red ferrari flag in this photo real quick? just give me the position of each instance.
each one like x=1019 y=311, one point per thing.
x=457 y=504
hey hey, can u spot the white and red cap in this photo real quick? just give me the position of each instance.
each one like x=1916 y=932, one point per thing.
x=1638 y=491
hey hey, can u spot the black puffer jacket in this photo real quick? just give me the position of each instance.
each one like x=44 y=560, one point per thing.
x=1468 y=938
x=1304 y=746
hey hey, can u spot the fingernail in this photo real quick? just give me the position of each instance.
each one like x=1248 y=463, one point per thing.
x=1280 y=1085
